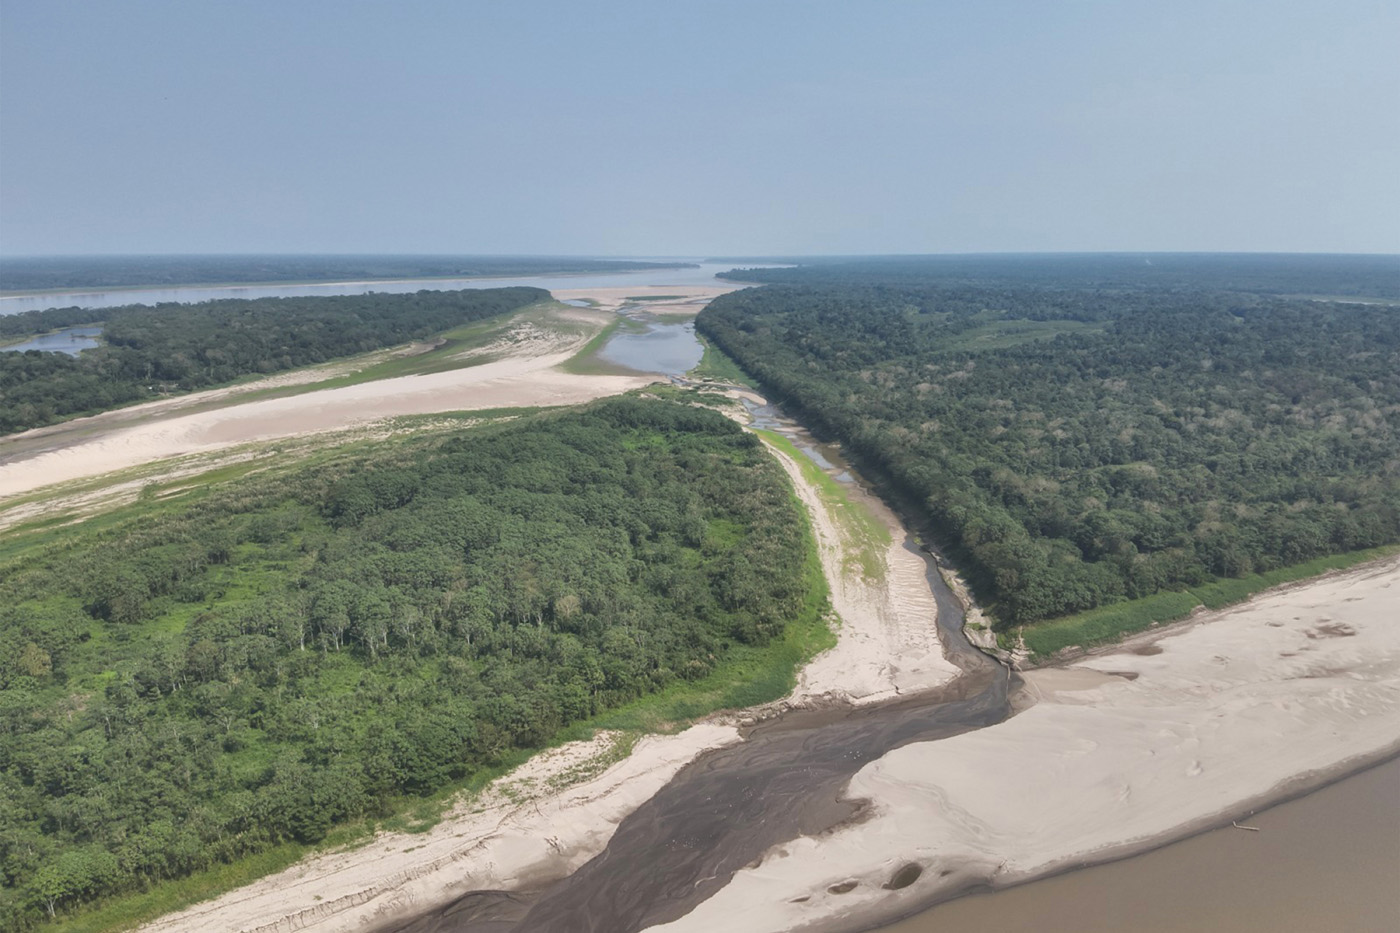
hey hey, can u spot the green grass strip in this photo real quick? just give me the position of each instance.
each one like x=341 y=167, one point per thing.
x=868 y=536
x=1111 y=623
x=719 y=366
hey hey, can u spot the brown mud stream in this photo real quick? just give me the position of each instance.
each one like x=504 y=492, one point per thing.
x=731 y=805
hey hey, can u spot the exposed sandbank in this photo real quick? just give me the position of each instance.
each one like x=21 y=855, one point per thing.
x=522 y=828
x=520 y=378
x=1121 y=752
x=887 y=640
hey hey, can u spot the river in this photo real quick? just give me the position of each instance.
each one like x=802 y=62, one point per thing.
x=727 y=808
x=1326 y=861
x=703 y=274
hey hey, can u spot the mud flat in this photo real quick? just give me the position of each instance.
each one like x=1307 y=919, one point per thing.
x=1120 y=753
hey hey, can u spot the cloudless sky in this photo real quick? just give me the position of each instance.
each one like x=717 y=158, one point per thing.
x=653 y=127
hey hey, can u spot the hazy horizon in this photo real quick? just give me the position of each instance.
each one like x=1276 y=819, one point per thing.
x=627 y=129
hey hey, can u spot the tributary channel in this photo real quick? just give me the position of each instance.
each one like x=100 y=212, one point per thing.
x=728 y=807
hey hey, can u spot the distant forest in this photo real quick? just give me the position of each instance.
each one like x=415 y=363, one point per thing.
x=1358 y=276
x=1074 y=446
x=178 y=348
x=185 y=684
x=67 y=272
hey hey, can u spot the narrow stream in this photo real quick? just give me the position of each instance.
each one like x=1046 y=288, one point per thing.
x=724 y=810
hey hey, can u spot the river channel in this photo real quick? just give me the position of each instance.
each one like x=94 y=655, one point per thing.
x=702 y=273
x=730 y=806
x=727 y=808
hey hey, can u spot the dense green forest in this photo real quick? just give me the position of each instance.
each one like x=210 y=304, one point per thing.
x=175 y=348
x=1076 y=447
x=1361 y=276
x=58 y=272
x=196 y=683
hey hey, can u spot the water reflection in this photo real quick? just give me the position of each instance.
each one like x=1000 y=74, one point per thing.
x=70 y=340
x=669 y=349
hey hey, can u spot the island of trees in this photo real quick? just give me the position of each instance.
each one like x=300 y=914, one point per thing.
x=1085 y=431
x=153 y=351
x=196 y=679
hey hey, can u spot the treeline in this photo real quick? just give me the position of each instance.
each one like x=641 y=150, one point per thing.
x=287 y=654
x=176 y=348
x=1358 y=276
x=67 y=272
x=1078 y=448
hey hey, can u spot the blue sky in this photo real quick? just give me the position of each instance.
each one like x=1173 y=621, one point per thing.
x=660 y=128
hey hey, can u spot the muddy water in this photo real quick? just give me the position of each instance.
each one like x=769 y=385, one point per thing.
x=1327 y=861
x=727 y=808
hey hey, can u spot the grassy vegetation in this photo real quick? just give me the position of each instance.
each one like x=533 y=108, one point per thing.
x=446 y=353
x=129 y=912
x=998 y=334
x=867 y=536
x=1110 y=623
x=173 y=484
x=716 y=365
x=588 y=362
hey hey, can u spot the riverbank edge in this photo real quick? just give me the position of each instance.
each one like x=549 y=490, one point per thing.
x=1294 y=788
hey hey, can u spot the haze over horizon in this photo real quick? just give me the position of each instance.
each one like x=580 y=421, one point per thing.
x=717 y=128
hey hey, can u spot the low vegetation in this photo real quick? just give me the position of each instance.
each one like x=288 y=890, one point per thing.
x=1110 y=623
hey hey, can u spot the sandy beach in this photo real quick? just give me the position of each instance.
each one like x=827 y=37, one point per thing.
x=887 y=641
x=524 y=377
x=1120 y=752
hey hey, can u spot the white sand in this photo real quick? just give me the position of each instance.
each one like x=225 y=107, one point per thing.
x=1246 y=706
x=887 y=638
x=690 y=299
x=514 y=381
x=522 y=828
x=1231 y=711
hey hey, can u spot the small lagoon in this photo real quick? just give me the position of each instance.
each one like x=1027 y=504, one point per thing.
x=70 y=340
x=668 y=349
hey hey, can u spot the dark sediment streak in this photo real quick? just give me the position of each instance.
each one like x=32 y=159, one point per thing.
x=723 y=811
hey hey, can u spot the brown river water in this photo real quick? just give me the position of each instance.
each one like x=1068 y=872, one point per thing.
x=1327 y=861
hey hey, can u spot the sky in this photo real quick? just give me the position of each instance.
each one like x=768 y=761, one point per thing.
x=655 y=128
